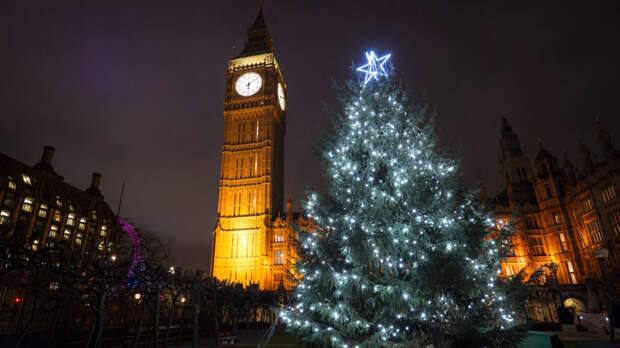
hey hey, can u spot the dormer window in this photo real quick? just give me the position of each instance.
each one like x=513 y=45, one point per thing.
x=53 y=232
x=43 y=210
x=27 y=205
x=70 y=220
x=58 y=201
x=4 y=216
x=57 y=216
x=104 y=231
x=26 y=179
x=82 y=224
x=71 y=207
x=12 y=184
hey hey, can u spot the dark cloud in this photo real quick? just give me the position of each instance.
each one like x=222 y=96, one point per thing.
x=135 y=89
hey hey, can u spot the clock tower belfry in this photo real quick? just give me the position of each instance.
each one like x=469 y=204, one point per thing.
x=247 y=248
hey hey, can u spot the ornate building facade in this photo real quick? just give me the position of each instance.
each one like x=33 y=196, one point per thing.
x=562 y=215
x=252 y=241
x=35 y=201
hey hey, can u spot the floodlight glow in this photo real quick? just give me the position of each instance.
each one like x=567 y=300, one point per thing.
x=375 y=66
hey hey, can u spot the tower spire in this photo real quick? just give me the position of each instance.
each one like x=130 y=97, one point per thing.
x=258 y=40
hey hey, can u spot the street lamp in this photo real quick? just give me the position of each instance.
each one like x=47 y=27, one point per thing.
x=137 y=296
x=171 y=270
x=183 y=299
x=113 y=258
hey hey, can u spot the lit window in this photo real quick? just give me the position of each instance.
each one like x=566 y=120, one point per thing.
x=27 y=205
x=587 y=205
x=609 y=194
x=43 y=211
x=563 y=242
x=557 y=219
x=615 y=222
x=104 y=231
x=571 y=272
x=12 y=184
x=101 y=246
x=66 y=235
x=82 y=224
x=278 y=238
x=536 y=246
x=78 y=239
x=71 y=207
x=35 y=245
x=26 y=179
x=278 y=257
x=93 y=214
x=53 y=232
x=57 y=216
x=4 y=216
x=70 y=220
x=58 y=201
x=594 y=229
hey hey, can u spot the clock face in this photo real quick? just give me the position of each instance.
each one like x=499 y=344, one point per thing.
x=281 y=98
x=248 y=84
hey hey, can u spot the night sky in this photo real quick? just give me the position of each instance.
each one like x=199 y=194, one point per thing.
x=134 y=89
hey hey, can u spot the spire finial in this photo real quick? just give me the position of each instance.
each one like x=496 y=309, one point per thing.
x=260 y=5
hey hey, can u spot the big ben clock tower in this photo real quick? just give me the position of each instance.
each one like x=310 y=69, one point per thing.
x=251 y=239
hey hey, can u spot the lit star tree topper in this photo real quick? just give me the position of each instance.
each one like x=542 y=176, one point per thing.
x=375 y=66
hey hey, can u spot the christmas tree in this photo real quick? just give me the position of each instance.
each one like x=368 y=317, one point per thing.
x=399 y=256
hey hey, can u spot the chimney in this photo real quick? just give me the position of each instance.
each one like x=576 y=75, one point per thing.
x=94 y=184
x=48 y=154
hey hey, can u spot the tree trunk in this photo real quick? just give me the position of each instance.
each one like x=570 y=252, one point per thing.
x=247 y=322
x=55 y=321
x=216 y=321
x=170 y=318
x=99 y=340
x=195 y=335
x=157 y=310
x=35 y=301
x=92 y=331
x=136 y=338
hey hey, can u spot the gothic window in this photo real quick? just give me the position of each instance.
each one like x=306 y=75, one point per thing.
x=67 y=234
x=57 y=216
x=278 y=257
x=78 y=239
x=608 y=193
x=531 y=222
x=82 y=224
x=586 y=205
x=277 y=277
x=594 y=229
x=536 y=246
x=255 y=164
x=563 y=243
x=548 y=191
x=278 y=238
x=615 y=222
x=257 y=128
x=571 y=272
x=556 y=218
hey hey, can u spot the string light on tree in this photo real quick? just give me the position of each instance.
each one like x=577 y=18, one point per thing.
x=374 y=67
x=399 y=251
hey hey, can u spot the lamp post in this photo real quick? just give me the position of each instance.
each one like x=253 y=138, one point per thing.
x=602 y=255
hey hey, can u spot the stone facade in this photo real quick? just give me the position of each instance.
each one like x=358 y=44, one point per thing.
x=562 y=215
x=253 y=241
x=36 y=201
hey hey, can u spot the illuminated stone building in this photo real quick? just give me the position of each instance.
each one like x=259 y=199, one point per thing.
x=562 y=215
x=253 y=241
x=36 y=201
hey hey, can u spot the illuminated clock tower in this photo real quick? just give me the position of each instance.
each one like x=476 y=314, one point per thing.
x=250 y=241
